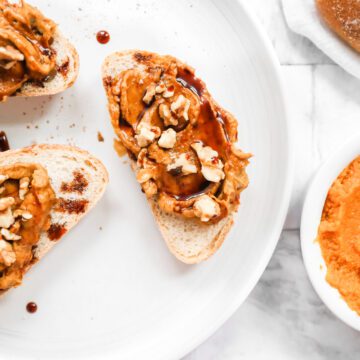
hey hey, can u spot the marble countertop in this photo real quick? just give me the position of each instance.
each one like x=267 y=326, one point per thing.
x=283 y=318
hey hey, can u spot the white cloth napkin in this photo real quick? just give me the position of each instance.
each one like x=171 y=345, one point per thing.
x=303 y=18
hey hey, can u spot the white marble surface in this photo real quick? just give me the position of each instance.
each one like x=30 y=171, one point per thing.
x=284 y=318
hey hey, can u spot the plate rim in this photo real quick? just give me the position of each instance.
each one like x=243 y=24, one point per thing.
x=275 y=63
x=339 y=159
x=181 y=349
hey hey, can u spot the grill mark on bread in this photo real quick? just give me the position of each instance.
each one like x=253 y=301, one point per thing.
x=78 y=184
x=56 y=231
x=72 y=206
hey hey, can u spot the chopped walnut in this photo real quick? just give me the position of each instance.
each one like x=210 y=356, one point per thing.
x=15 y=227
x=10 y=53
x=6 y=218
x=169 y=92
x=9 y=235
x=183 y=164
x=167 y=139
x=23 y=187
x=26 y=216
x=160 y=88
x=146 y=134
x=166 y=91
x=180 y=107
x=3 y=178
x=206 y=208
x=149 y=94
x=7 y=255
x=145 y=175
x=165 y=114
x=150 y=188
x=211 y=165
x=6 y=202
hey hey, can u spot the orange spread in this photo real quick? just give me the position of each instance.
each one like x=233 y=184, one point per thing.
x=339 y=235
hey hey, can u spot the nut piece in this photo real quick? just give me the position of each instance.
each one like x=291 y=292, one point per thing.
x=206 y=208
x=6 y=202
x=150 y=188
x=180 y=107
x=3 y=178
x=166 y=92
x=24 y=214
x=146 y=134
x=7 y=255
x=9 y=235
x=149 y=94
x=165 y=114
x=211 y=165
x=169 y=92
x=145 y=175
x=24 y=187
x=6 y=218
x=160 y=88
x=167 y=139
x=10 y=53
x=183 y=164
x=15 y=227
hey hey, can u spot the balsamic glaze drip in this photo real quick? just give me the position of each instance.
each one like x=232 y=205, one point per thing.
x=222 y=123
x=189 y=81
x=4 y=143
x=194 y=195
x=103 y=37
x=31 y=307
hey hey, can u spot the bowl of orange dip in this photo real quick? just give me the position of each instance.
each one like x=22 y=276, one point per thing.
x=330 y=233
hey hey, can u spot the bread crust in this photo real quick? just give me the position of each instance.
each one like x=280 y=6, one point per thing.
x=343 y=17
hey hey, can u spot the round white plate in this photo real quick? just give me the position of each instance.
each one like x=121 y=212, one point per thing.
x=313 y=206
x=110 y=288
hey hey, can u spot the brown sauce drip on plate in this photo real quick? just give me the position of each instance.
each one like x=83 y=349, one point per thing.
x=4 y=143
x=31 y=307
x=103 y=37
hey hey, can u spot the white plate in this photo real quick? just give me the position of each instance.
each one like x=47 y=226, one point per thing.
x=313 y=206
x=117 y=291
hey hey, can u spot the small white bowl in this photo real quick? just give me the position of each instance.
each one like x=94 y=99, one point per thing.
x=311 y=215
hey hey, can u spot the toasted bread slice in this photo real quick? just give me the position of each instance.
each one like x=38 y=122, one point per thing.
x=67 y=69
x=62 y=162
x=189 y=240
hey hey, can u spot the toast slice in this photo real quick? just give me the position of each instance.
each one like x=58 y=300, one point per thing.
x=67 y=69
x=188 y=239
x=77 y=178
x=35 y=58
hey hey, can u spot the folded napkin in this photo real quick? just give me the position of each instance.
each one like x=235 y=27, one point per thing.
x=303 y=18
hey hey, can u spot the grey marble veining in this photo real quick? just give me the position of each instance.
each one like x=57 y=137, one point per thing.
x=283 y=318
